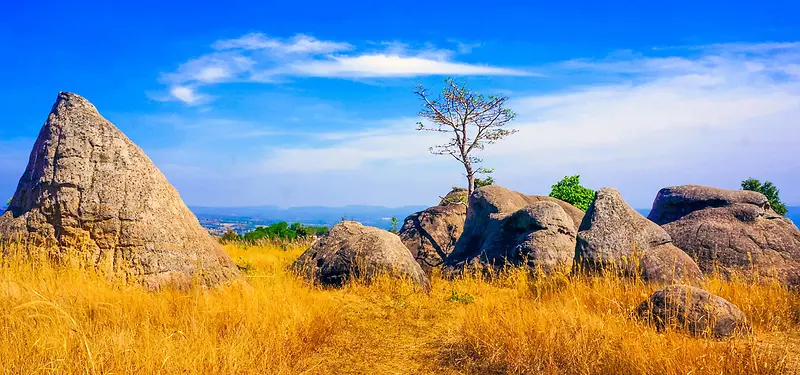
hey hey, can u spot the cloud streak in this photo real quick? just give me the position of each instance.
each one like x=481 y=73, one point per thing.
x=258 y=58
x=715 y=118
x=711 y=115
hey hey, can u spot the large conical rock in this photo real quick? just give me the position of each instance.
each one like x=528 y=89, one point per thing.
x=91 y=194
x=730 y=231
x=614 y=236
x=431 y=234
x=353 y=251
x=507 y=228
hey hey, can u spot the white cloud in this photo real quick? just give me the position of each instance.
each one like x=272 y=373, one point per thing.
x=258 y=58
x=206 y=130
x=212 y=68
x=393 y=142
x=299 y=44
x=752 y=47
x=711 y=116
x=186 y=94
x=715 y=118
x=465 y=47
x=381 y=65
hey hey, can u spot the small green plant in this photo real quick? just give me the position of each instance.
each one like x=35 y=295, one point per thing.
x=395 y=225
x=230 y=236
x=453 y=200
x=769 y=190
x=463 y=298
x=245 y=265
x=481 y=182
x=569 y=190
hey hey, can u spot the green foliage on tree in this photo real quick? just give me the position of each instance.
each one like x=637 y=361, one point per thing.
x=570 y=190
x=8 y=202
x=395 y=225
x=278 y=231
x=230 y=236
x=769 y=190
x=481 y=182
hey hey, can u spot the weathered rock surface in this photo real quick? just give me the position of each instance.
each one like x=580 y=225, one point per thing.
x=351 y=250
x=694 y=309
x=91 y=194
x=431 y=234
x=614 y=236
x=504 y=227
x=730 y=231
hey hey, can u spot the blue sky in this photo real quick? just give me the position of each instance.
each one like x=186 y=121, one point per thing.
x=311 y=103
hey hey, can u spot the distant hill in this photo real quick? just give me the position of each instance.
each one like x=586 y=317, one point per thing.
x=377 y=216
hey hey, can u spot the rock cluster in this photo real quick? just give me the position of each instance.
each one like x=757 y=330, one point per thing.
x=504 y=227
x=730 y=231
x=89 y=193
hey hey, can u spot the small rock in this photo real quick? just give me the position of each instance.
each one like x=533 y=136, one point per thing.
x=694 y=309
x=351 y=250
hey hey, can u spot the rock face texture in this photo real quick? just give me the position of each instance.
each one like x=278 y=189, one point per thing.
x=91 y=194
x=614 y=236
x=694 y=309
x=351 y=250
x=504 y=227
x=431 y=234
x=730 y=231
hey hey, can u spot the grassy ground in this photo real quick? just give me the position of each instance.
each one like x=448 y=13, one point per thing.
x=66 y=321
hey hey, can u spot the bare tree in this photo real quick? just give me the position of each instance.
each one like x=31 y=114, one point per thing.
x=473 y=120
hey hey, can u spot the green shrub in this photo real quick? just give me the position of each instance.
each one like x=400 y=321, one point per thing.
x=769 y=190
x=284 y=231
x=463 y=298
x=569 y=190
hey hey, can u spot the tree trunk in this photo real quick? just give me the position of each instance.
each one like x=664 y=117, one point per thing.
x=470 y=179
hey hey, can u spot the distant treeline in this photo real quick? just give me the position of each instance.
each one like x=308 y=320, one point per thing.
x=278 y=231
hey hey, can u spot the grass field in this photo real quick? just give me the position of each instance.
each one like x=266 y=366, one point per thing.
x=68 y=321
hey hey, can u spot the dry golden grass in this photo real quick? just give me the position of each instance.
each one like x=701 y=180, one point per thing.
x=68 y=321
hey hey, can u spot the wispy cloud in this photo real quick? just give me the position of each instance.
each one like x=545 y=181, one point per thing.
x=635 y=121
x=389 y=141
x=187 y=94
x=299 y=44
x=211 y=68
x=214 y=130
x=256 y=57
x=382 y=65
x=714 y=118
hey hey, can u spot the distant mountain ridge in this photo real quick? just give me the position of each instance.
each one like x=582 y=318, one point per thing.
x=378 y=216
x=323 y=215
